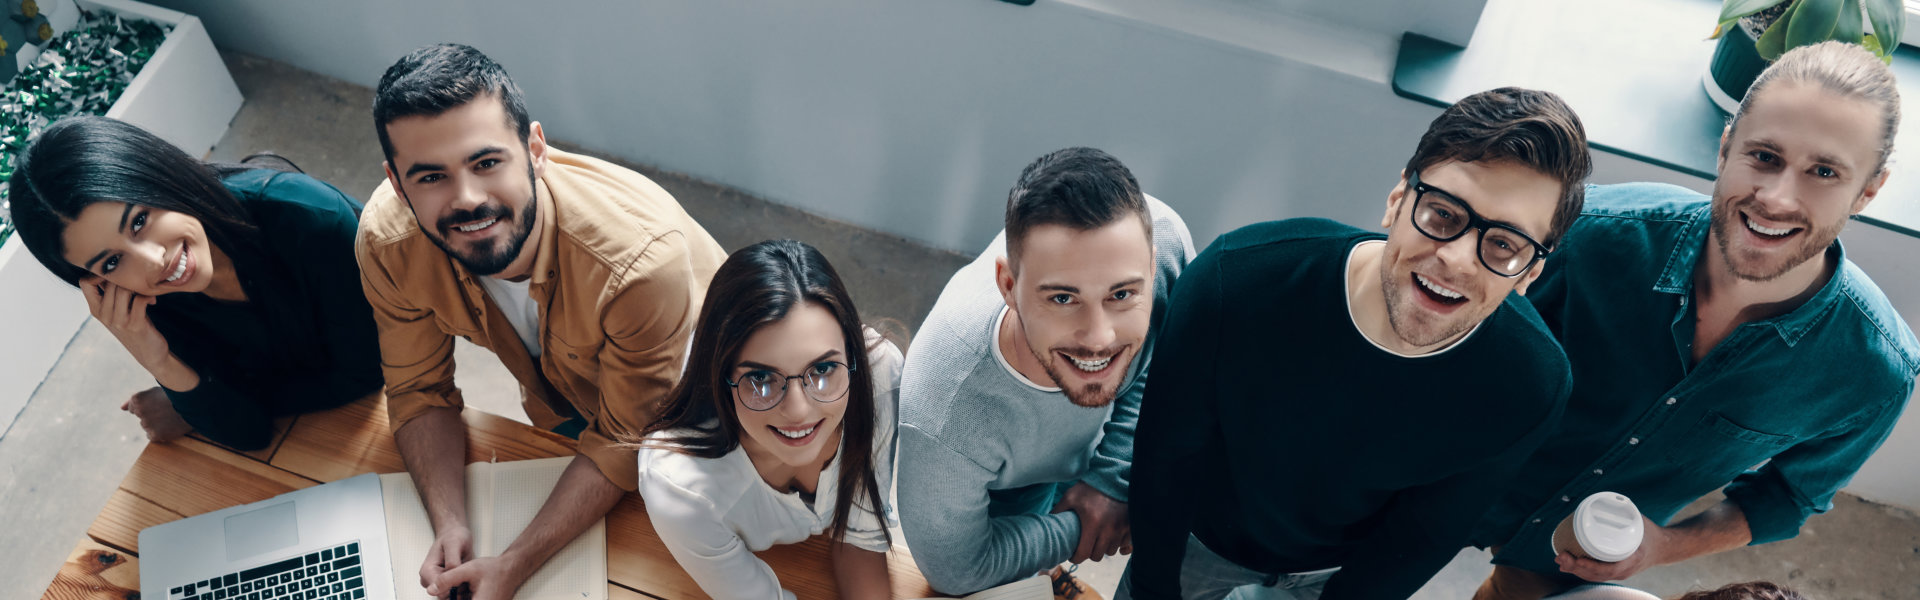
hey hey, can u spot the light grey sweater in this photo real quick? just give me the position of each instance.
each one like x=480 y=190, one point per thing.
x=969 y=424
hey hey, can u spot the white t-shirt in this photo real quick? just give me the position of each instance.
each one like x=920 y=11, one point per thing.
x=515 y=300
x=714 y=513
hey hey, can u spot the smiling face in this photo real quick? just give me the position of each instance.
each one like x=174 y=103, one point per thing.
x=1437 y=291
x=1084 y=301
x=470 y=181
x=149 y=251
x=799 y=431
x=1800 y=162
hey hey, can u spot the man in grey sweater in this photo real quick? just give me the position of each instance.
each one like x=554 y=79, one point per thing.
x=1020 y=392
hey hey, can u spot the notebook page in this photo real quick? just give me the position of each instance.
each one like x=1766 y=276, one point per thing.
x=1037 y=587
x=579 y=569
x=410 y=532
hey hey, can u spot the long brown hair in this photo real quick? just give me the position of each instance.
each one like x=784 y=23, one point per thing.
x=757 y=286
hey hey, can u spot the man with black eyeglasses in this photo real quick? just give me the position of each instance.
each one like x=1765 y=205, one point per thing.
x=1331 y=410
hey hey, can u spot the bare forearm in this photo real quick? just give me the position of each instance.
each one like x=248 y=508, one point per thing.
x=582 y=497
x=434 y=447
x=1719 y=528
x=861 y=573
x=173 y=374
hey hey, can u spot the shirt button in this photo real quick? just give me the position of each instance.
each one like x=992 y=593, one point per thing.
x=1670 y=401
x=1633 y=441
x=1536 y=520
x=1565 y=499
x=572 y=355
x=1599 y=472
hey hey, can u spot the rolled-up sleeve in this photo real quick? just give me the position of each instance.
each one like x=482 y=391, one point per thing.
x=648 y=324
x=416 y=356
x=1800 y=482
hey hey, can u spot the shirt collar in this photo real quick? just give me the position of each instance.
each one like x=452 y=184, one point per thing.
x=543 y=260
x=1691 y=245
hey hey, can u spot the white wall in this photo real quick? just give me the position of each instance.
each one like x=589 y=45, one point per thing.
x=913 y=117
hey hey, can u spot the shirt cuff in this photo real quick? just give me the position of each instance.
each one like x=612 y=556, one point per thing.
x=404 y=408
x=1771 y=512
x=620 y=465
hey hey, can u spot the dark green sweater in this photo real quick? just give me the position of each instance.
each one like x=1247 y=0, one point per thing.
x=304 y=341
x=1287 y=442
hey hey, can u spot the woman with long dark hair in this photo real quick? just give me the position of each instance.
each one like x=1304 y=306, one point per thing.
x=781 y=428
x=234 y=287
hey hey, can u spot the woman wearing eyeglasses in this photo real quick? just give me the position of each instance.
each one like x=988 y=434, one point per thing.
x=781 y=428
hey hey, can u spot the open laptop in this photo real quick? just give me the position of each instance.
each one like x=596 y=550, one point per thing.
x=326 y=542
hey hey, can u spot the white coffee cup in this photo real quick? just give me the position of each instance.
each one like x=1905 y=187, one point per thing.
x=1605 y=526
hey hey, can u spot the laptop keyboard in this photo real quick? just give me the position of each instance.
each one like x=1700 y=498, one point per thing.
x=330 y=574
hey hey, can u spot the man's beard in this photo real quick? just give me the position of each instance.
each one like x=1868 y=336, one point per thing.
x=491 y=258
x=1394 y=291
x=1092 y=395
x=1726 y=218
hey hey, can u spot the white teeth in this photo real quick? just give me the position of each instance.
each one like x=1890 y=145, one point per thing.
x=796 y=434
x=1767 y=230
x=1091 y=365
x=1443 y=292
x=477 y=226
x=180 y=268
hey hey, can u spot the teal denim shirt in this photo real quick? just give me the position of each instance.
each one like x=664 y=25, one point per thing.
x=1781 y=413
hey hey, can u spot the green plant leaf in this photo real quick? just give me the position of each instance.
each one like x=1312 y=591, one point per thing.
x=1732 y=10
x=1889 y=19
x=1851 y=26
x=1773 y=42
x=1813 y=22
x=1873 y=43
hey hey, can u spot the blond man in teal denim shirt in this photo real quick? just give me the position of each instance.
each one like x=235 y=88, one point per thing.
x=1720 y=343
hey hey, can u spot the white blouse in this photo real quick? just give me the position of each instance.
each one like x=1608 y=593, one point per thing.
x=714 y=513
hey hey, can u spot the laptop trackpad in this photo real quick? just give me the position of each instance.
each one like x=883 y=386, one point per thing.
x=263 y=530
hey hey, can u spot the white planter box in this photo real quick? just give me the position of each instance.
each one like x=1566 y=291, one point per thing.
x=185 y=96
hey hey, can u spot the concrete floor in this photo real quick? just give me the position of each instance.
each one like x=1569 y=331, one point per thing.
x=68 y=449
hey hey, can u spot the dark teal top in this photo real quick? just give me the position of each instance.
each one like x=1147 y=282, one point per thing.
x=1810 y=393
x=1284 y=440
x=304 y=341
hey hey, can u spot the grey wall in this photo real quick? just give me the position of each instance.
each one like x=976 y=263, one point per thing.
x=911 y=117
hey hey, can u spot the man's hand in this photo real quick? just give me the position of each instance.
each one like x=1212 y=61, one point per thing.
x=491 y=578
x=1103 y=523
x=157 y=416
x=451 y=548
x=1652 y=552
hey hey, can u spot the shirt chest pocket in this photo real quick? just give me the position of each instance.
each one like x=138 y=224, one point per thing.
x=1721 y=448
x=573 y=367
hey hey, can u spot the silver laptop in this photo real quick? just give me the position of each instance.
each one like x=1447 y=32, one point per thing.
x=326 y=542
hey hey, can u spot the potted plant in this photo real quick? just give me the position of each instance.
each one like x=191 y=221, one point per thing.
x=1753 y=33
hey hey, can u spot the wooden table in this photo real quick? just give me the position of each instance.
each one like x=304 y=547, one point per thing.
x=194 y=476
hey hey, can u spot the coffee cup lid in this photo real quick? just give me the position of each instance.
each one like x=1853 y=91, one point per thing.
x=1608 y=526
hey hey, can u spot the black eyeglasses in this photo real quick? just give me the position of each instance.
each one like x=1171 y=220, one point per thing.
x=762 y=389
x=1503 y=249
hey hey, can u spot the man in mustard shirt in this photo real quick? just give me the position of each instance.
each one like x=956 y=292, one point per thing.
x=582 y=276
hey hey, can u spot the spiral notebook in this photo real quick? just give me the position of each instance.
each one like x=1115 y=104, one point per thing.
x=502 y=498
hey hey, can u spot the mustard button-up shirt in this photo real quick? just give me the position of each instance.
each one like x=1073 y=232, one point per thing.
x=619 y=277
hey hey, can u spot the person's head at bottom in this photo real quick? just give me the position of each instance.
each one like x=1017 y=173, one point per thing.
x=779 y=368
x=1078 y=275
x=1494 y=183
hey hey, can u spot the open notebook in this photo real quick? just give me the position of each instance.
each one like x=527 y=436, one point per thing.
x=502 y=499
x=1037 y=587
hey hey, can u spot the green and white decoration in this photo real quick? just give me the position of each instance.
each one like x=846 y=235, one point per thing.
x=81 y=71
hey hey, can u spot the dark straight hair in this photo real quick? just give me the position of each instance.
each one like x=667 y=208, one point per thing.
x=758 y=286
x=1080 y=188
x=1529 y=127
x=82 y=160
x=434 y=79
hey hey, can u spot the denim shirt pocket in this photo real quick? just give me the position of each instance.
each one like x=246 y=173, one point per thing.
x=1723 y=448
